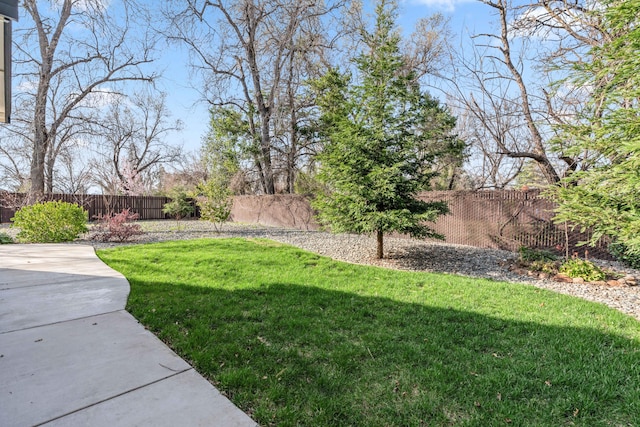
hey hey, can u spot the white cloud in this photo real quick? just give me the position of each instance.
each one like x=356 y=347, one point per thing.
x=540 y=23
x=446 y=5
x=27 y=86
x=84 y=5
x=102 y=99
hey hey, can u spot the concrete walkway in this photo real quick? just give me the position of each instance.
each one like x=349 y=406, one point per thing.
x=70 y=355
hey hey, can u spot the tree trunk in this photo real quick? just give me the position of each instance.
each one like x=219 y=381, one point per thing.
x=49 y=172
x=380 y=253
x=36 y=192
x=293 y=123
x=266 y=157
x=40 y=144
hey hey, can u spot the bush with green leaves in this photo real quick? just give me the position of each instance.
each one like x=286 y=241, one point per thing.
x=533 y=255
x=215 y=202
x=50 y=222
x=621 y=253
x=538 y=260
x=5 y=239
x=180 y=205
x=548 y=267
x=581 y=268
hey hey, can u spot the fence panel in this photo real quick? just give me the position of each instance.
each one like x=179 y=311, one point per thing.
x=147 y=207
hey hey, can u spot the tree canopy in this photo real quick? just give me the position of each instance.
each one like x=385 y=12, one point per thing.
x=383 y=136
x=606 y=197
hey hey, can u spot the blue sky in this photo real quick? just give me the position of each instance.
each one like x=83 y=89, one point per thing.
x=466 y=17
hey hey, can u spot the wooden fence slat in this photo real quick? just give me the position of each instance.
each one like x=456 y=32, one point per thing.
x=147 y=207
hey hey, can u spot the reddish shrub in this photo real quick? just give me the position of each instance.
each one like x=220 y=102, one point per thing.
x=118 y=227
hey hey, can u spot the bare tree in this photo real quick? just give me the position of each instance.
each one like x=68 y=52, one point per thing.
x=293 y=145
x=14 y=162
x=506 y=87
x=569 y=31
x=186 y=172
x=17 y=144
x=131 y=141
x=426 y=50
x=69 y=53
x=74 y=172
x=248 y=54
x=312 y=55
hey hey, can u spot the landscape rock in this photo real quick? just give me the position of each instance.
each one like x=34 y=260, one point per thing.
x=562 y=278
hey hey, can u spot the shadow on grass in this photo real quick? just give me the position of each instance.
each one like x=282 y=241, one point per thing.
x=300 y=355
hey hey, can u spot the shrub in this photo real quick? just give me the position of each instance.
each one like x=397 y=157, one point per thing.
x=215 y=202
x=528 y=255
x=621 y=252
x=50 y=222
x=180 y=205
x=5 y=239
x=538 y=260
x=549 y=267
x=118 y=227
x=576 y=267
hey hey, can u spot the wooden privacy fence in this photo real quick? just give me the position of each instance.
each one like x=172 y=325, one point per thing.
x=147 y=207
x=504 y=219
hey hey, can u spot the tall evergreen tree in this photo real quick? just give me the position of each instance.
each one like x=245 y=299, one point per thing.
x=606 y=198
x=383 y=135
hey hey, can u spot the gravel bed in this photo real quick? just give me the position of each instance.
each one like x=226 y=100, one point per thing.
x=400 y=253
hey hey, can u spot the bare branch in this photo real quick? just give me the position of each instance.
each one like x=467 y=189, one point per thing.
x=68 y=54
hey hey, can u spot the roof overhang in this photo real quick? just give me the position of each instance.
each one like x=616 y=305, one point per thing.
x=9 y=8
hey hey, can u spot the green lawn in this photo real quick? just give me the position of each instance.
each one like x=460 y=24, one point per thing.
x=296 y=339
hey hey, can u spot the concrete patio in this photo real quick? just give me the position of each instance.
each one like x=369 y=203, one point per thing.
x=70 y=355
